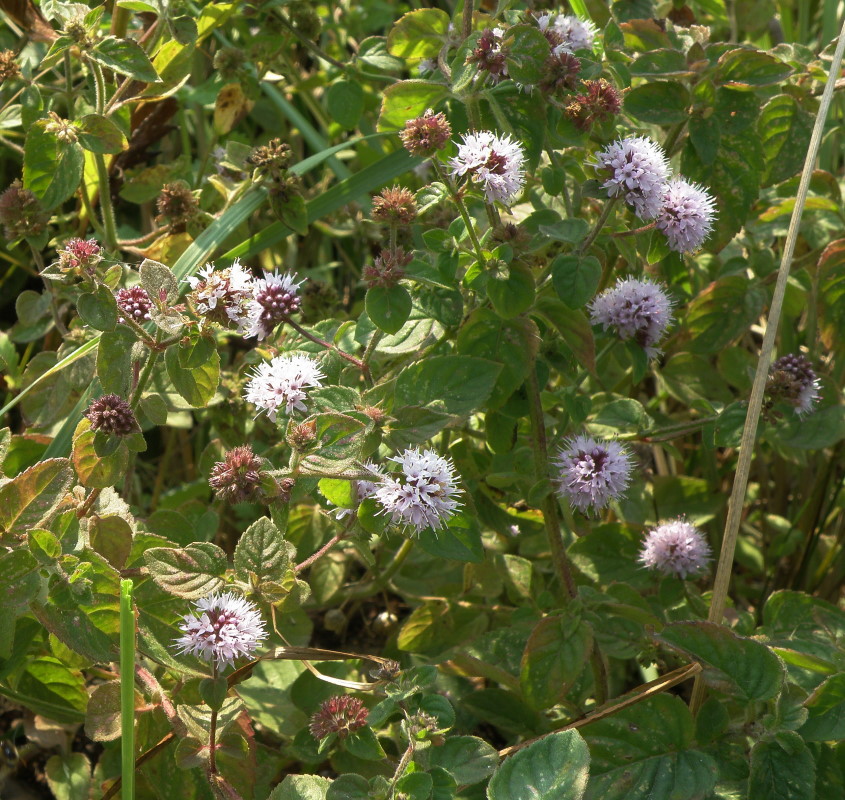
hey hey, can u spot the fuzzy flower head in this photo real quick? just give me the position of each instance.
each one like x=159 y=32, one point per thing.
x=134 y=303
x=592 y=473
x=635 y=309
x=280 y=384
x=424 y=135
x=112 y=415
x=495 y=162
x=686 y=216
x=635 y=169
x=793 y=380
x=489 y=55
x=21 y=212
x=274 y=298
x=341 y=714
x=598 y=101
x=567 y=33
x=424 y=496
x=79 y=256
x=675 y=548
x=237 y=478
x=222 y=295
x=222 y=628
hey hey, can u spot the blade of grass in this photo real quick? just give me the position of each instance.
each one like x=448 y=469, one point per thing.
x=127 y=691
x=755 y=403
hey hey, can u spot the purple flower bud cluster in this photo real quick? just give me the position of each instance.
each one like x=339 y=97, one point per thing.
x=675 y=548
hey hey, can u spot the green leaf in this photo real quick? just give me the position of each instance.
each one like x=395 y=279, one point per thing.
x=660 y=102
x=512 y=291
x=126 y=57
x=527 y=50
x=460 y=540
x=785 y=129
x=418 y=34
x=349 y=787
x=660 y=64
x=643 y=753
x=721 y=313
x=388 y=307
x=98 y=308
x=29 y=499
x=196 y=385
x=190 y=572
x=114 y=358
x=406 y=100
x=102 y=717
x=744 y=70
x=453 y=384
x=262 y=550
x=575 y=278
x=362 y=743
x=345 y=101
x=511 y=343
x=52 y=169
x=467 y=759
x=301 y=787
x=782 y=768
x=111 y=537
x=158 y=281
x=826 y=705
x=96 y=470
x=339 y=492
x=554 y=768
x=554 y=657
x=49 y=688
x=100 y=135
x=69 y=776
x=733 y=664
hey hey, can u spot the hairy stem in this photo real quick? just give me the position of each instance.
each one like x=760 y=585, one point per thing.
x=459 y=202
x=603 y=217
x=212 y=730
x=541 y=472
x=127 y=690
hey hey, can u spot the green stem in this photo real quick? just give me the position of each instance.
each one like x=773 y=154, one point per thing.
x=144 y=378
x=304 y=40
x=375 y=586
x=672 y=138
x=459 y=202
x=120 y=21
x=106 y=208
x=127 y=690
x=608 y=207
x=541 y=472
x=99 y=86
x=467 y=17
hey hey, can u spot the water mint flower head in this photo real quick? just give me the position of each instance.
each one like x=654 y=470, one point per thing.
x=592 y=473
x=424 y=495
x=635 y=309
x=222 y=628
x=495 y=162
x=274 y=298
x=567 y=33
x=686 y=216
x=341 y=714
x=675 y=548
x=635 y=169
x=280 y=384
x=793 y=380
x=134 y=303
x=222 y=295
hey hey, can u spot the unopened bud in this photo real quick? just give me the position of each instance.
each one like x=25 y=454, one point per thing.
x=424 y=136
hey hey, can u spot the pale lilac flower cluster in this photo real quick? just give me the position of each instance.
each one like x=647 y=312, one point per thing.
x=686 y=217
x=280 y=384
x=635 y=309
x=363 y=489
x=495 y=162
x=233 y=295
x=568 y=33
x=637 y=170
x=424 y=496
x=592 y=473
x=224 y=627
x=675 y=548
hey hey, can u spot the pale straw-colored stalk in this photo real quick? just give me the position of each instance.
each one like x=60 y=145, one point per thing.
x=749 y=432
